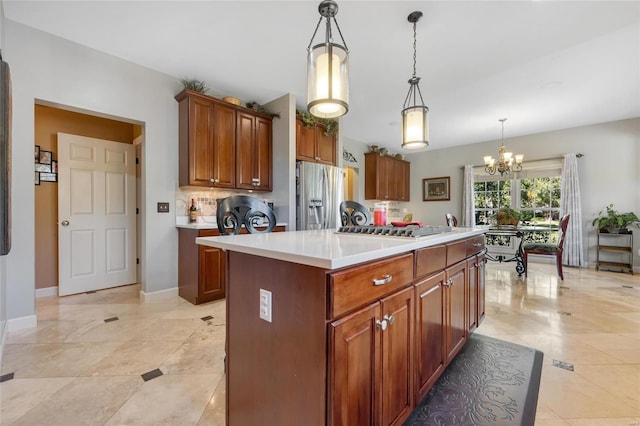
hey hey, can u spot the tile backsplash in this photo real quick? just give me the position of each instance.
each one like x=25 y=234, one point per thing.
x=206 y=200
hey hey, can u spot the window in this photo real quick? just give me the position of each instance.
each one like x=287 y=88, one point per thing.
x=539 y=200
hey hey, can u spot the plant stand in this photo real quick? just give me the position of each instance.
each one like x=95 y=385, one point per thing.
x=614 y=252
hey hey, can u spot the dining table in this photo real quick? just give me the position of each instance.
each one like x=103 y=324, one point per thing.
x=523 y=232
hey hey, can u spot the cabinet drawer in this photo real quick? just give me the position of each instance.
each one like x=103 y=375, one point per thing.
x=456 y=252
x=359 y=285
x=430 y=260
x=475 y=245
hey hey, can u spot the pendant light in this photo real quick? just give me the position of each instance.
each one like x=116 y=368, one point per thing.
x=328 y=69
x=415 y=115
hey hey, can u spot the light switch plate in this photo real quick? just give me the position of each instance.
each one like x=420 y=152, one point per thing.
x=163 y=207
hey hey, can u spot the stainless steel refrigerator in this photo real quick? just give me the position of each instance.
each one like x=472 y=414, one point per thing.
x=318 y=195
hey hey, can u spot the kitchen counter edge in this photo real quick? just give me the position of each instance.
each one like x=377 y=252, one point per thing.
x=330 y=250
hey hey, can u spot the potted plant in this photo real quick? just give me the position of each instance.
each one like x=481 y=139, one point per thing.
x=308 y=120
x=507 y=216
x=611 y=221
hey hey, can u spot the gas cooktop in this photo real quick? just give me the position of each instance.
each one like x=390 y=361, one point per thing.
x=410 y=231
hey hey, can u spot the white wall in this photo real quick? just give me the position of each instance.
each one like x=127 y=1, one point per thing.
x=55 y=70
x=609 y=171
x=284 y=159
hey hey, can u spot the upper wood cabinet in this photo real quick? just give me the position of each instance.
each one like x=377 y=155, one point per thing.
x=223 y=145
x=313 y=145
x=254 y=149
x=386 y=178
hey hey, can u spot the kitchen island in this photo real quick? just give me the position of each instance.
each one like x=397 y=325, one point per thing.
x=338 y=329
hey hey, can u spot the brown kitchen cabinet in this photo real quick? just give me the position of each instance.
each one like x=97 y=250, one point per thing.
x=254 y=149
x=313 y=145
x=206 y=131
x=222 y=145
x=202 y=269
x=369 y=340
x=386 y=178
x=371 y=363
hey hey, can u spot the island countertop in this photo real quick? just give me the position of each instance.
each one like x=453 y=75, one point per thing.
x=327 y=249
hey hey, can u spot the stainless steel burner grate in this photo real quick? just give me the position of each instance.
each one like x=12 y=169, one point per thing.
x=411 y=231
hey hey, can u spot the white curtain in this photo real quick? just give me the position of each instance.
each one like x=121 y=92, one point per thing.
x=570 y=204
x=467 y=197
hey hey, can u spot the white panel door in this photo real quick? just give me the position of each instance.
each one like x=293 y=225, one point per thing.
x=96 y=214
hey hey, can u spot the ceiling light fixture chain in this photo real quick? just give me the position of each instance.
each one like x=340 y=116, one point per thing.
x=415 y=121
x=506 y=162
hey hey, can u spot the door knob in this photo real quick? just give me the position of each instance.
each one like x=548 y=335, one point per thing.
x=65 y=223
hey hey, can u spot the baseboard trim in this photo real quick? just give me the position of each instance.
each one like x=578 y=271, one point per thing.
x=15 y=324
x=158 y=296
x=46 y=292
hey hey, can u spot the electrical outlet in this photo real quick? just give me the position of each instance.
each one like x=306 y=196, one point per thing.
x=163 y=207
x=265 y=305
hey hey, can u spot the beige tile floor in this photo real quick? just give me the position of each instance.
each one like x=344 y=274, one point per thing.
x=77 y=369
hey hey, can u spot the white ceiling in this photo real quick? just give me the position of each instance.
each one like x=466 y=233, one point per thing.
x=545 y=65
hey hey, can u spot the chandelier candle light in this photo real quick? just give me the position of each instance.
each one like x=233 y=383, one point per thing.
x=415 y=115
x=328 y=69
x=506 y=159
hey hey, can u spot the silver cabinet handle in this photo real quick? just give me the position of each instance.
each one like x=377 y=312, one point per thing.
x=477 y=245
x=390 y=319
x=382 y=325
x=65 y=223
x=382 y=281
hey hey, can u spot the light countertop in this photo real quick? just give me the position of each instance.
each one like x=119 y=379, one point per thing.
x=327 y=249
x=204 y=222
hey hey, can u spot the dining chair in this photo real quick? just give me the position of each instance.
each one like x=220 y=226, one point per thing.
x=451 y=219
x=354 y=213
x=238 y=210
x=546 y=249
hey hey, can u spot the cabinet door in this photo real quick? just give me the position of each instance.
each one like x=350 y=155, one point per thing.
x=472 y=294
x=224 y=147
x=354 y=369
x=245 y=149
x=456 y=309
x=482 y=261
x=201 y=116
x=430 y=327
x=397 y=357
x=404 y=187
x=212 y=274
x=253 y=152
x=263 y=155
x=325 y=147
x=305 y=142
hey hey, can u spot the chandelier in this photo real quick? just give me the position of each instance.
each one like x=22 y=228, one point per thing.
x=507 y=162
x=328 y=69
x=415 y=115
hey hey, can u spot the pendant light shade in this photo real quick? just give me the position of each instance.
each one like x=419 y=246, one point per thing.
x=415 y=115
x=328 y=70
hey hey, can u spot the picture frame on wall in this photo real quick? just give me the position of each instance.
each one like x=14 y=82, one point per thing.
x=44 y=168
x=36 y=154
x=37 y=179
x=48 y=177
x=45 y=157
x=436 y=189
x=54 y=166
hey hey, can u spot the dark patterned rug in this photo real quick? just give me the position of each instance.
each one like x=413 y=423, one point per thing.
x=490 y=382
